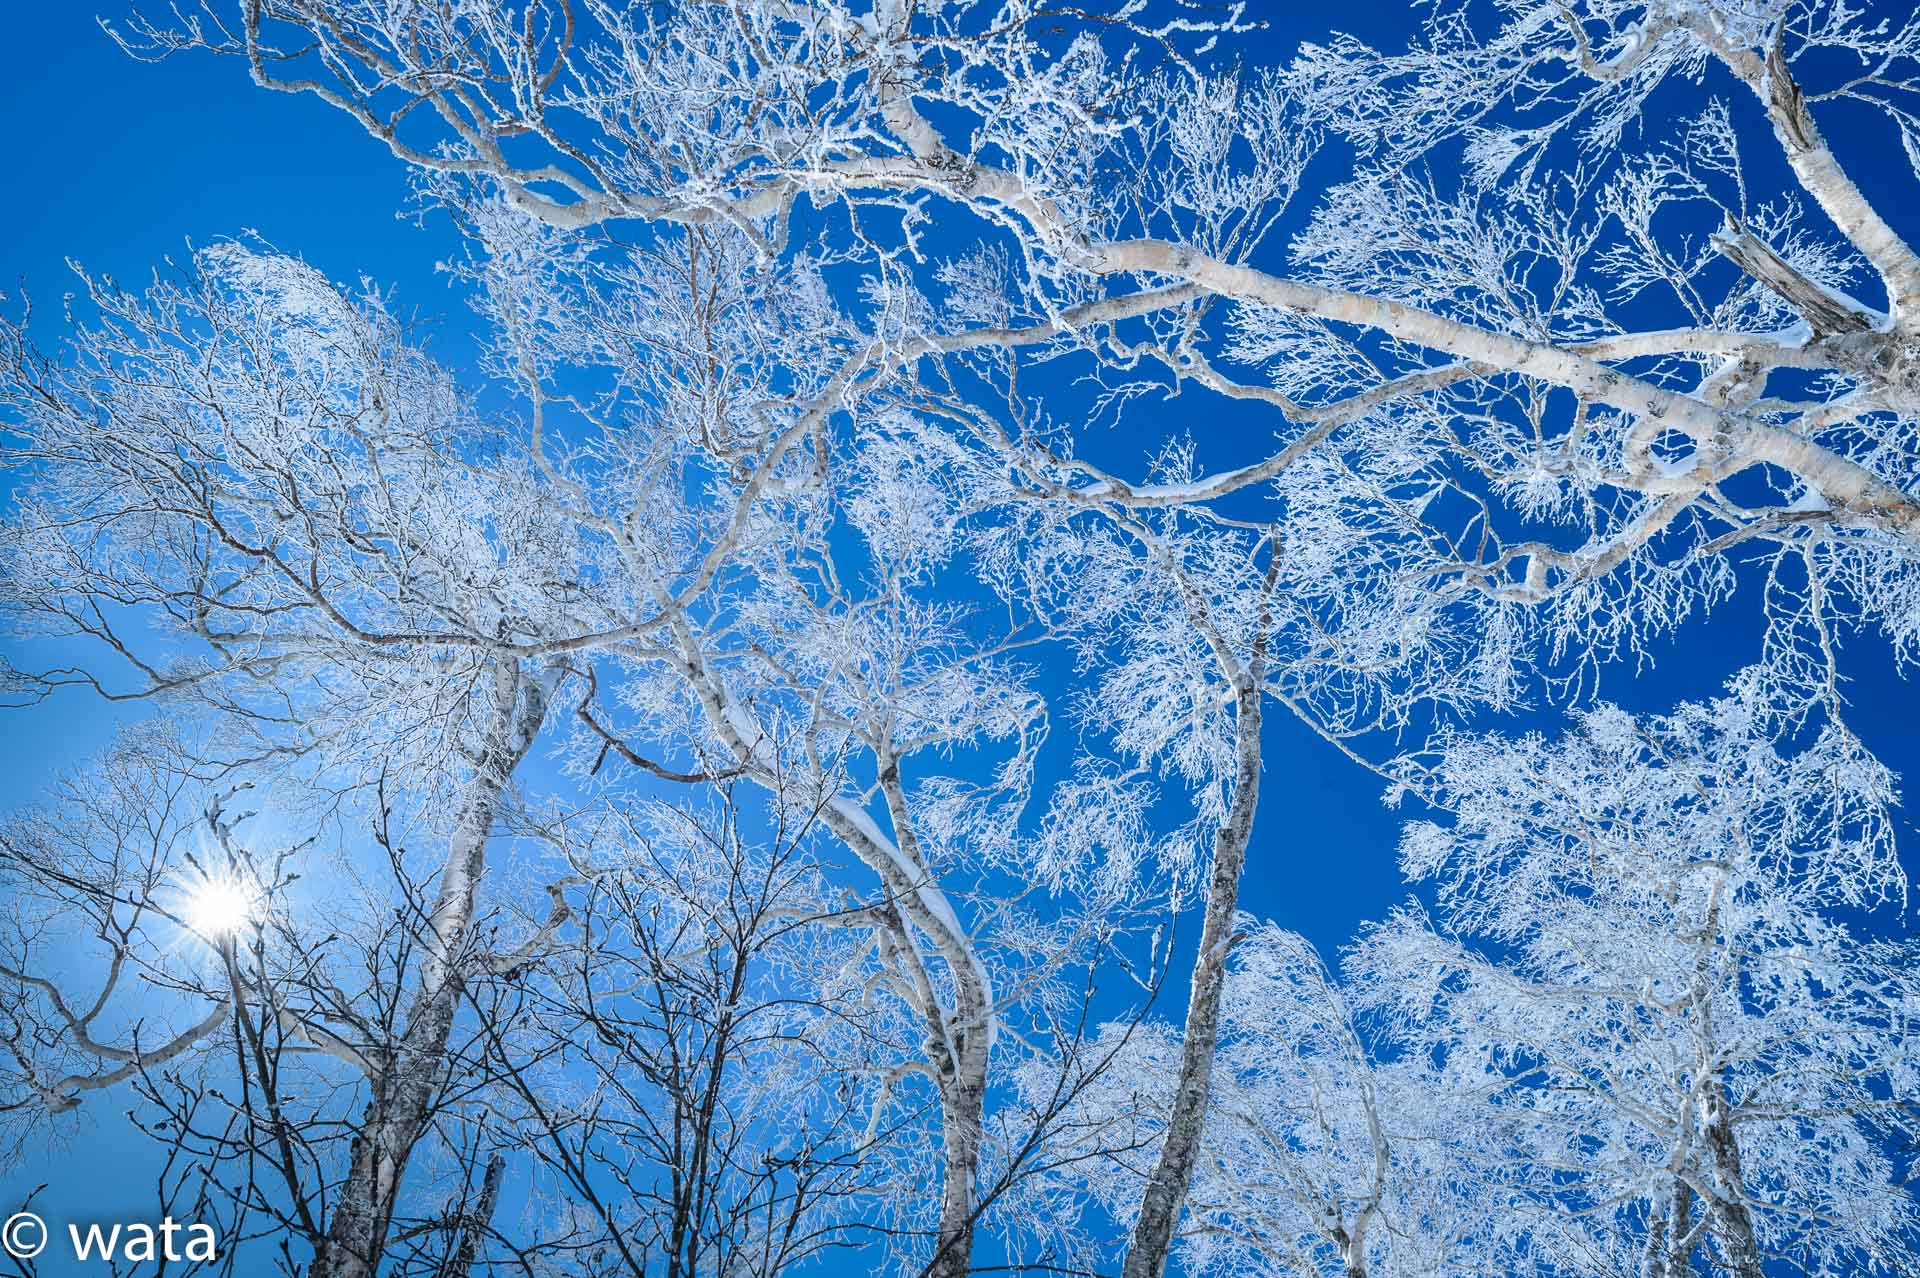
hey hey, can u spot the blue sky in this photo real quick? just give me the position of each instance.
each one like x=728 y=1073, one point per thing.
x=118 y=164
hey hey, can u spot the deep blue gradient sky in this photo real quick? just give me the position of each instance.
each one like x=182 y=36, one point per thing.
x=118 y=164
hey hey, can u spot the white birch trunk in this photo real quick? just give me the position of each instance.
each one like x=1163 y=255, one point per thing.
x=1172 y=1176
x=1732 y=1219
x=404 y=1084
x=959 y=1039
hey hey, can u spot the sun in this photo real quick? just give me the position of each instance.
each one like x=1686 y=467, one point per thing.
x=220 y=905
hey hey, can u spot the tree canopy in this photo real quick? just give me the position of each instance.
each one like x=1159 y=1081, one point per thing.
x=755 y=774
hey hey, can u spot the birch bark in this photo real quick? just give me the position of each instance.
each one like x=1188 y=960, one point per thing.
x=960 y=1037
x=1172 y=1176
x=405 y=1082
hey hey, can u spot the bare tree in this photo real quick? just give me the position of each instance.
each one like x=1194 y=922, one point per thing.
x=157 y=948
x=676 y=1054
x=688 y=1059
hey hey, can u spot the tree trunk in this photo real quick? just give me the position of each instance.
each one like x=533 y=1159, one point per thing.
x=1353 y=1252
x=959 y=1041
x=404 y=1087
x=962 y=1105
x=1669 y=1228
x=475 y=1223
x=1680 y=1226
x=962 y=1040
x=1172 y=1176
x=1654 y=1263
x=1732 y=1220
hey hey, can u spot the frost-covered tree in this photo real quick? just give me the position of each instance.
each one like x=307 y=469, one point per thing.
x=261 y=500
x=1482 y=450
x=1639 y=1032
x=864 y=358
x=1322 y=1152
x=334 y=558
x=1645 y=958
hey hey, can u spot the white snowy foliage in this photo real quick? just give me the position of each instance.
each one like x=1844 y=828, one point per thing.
x=957 y=424
x=1640 y=966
